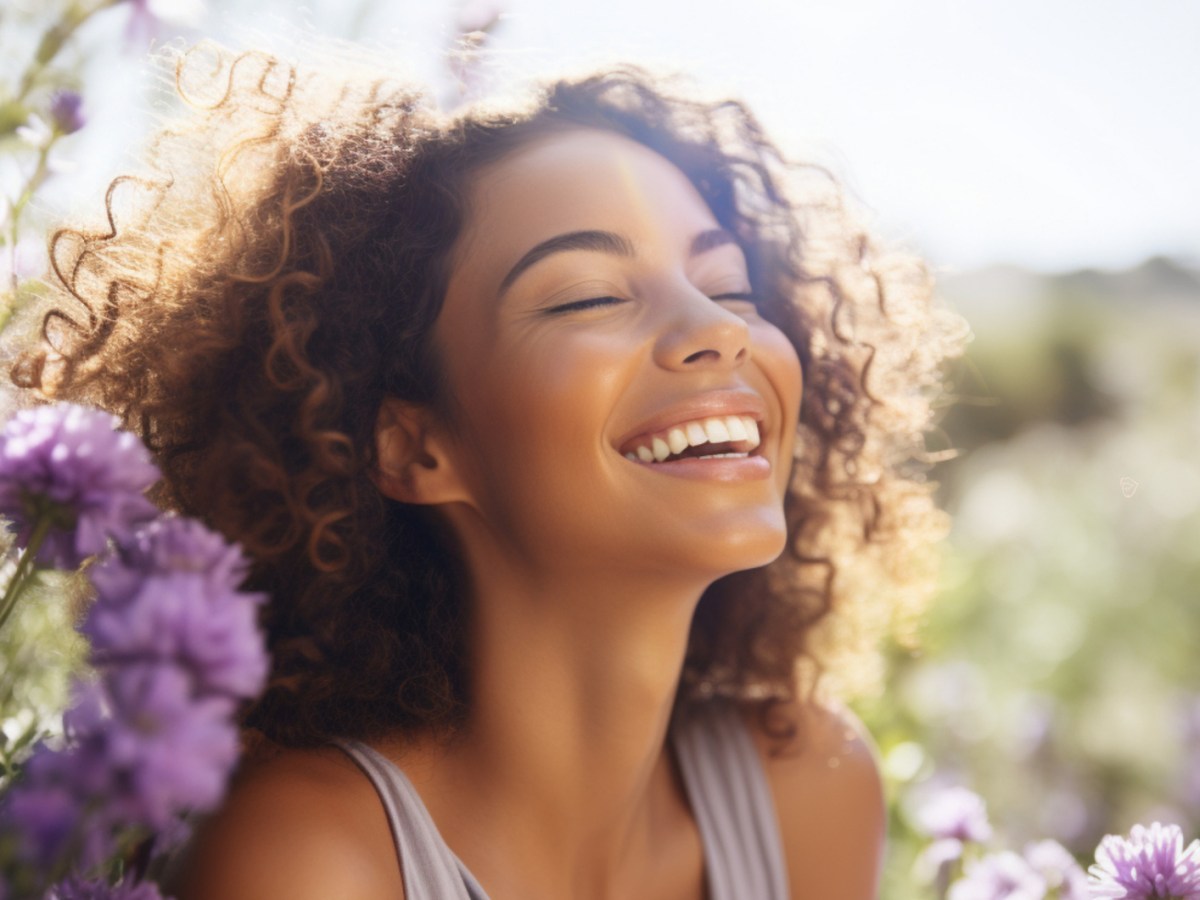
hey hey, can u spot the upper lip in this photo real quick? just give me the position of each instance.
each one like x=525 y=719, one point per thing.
x=701 y=406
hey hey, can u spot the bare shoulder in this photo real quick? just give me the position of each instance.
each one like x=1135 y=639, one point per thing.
x=304 y=824
x=829 y=799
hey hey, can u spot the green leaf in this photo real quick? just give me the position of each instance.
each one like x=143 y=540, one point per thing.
x=13 y=114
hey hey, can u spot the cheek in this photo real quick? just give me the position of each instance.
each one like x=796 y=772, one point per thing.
x=534 y=449
x=547 y=405
x=781 y=364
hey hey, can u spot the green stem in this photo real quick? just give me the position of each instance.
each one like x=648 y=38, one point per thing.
x=25 y=569
x=48 y=47
x=35 y=181
x=11 y=240
x=55 y=39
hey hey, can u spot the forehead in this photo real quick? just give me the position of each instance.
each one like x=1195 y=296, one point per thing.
x=576 y=180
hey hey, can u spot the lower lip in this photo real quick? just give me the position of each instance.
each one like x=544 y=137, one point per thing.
x=727 y=470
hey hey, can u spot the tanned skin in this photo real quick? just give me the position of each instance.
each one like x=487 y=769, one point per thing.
x=586 y=565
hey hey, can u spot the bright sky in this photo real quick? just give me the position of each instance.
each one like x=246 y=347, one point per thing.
x=1050 y=133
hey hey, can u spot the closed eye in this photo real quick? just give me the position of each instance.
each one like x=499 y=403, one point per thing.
x=589 y=303
x=744 y=302
x=593 y=302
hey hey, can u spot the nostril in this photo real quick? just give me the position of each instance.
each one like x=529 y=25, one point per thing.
x=701 y=334
x=710 y=355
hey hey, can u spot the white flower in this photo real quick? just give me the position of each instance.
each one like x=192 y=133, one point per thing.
x=36 y=132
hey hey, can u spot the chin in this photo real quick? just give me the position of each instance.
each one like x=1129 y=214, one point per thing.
x=749 y=544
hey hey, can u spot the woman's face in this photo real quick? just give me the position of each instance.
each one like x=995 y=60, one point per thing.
x=620 y=403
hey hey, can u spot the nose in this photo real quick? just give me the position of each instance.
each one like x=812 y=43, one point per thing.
x=698 y=332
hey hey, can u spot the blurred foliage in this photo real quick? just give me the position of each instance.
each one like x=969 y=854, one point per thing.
x=50 y=56
x=39 y=68
x=39 y=650
x=1058 y=675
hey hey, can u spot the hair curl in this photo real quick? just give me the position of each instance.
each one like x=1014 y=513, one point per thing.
x=276 y=274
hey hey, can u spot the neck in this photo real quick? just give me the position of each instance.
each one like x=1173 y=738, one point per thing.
x=563 y=755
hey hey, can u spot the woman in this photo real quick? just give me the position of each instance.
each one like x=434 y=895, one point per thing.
x=554 y=432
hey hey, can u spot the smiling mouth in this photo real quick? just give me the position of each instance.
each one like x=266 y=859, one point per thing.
x=715 y=437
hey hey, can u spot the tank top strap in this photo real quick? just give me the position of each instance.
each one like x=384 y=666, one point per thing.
x=731 y=800
x=725 y=784
x=431 y=870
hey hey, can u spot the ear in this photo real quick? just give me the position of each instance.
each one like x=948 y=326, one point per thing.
x=412 y=464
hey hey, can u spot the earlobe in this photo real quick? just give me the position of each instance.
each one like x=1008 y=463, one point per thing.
x=411 y=464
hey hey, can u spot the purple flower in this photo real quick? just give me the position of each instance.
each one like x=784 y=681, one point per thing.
x=936 y=865
x=143 y=24
x=175 y=646
x=478 y=15
x=146 y=17
x=955 y=812
x=66 y=111
x=166 y=750
x=47 y=807
x=999 y=876
x=1151 y=864
x=171 y=837
x=932 y=864
x=1058 y=868
x=69 y=466
x=172 y=595
x=141 y=749
x=47 y=813
x=77 y=889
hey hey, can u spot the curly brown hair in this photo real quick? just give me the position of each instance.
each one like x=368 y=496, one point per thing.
x=276 y=274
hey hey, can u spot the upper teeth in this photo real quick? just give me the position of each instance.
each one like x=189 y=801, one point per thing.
x=740 y=429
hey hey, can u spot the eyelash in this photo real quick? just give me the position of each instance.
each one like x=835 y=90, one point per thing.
x=593 y=302
x=747 y=297
x=577 y=305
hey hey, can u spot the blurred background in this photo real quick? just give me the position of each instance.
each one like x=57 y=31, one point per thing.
x=1042 y=157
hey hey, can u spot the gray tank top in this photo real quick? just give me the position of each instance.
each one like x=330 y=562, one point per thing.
x=725 y=783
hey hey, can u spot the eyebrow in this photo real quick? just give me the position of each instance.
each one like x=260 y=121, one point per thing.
x=605 y=242
x=709 y=240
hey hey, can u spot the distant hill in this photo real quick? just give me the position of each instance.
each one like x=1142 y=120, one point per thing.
x=1071 y=348
x=1158 y=279
x=1013 y=295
